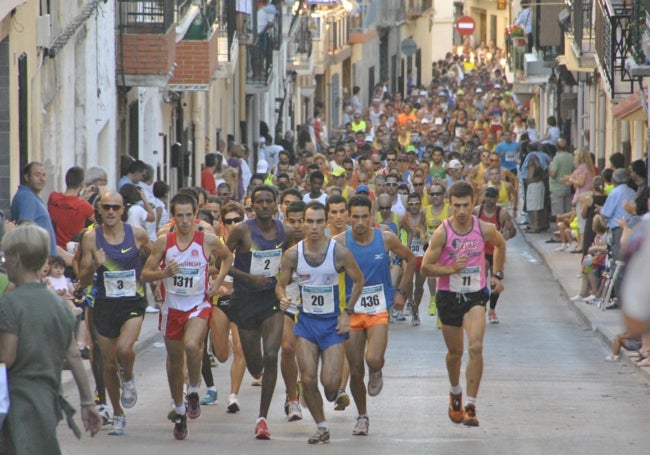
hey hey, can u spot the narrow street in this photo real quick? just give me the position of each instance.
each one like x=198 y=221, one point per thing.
x=546 y=389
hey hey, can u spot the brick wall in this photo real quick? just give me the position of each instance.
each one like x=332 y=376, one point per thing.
x=146 y=54
x=197 y=61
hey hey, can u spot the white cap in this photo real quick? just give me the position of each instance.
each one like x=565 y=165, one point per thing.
x=438 y=121
x=262 y=167
x=262 y=140
x=455 y=164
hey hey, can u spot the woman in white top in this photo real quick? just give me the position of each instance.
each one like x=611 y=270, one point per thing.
x=138 y=209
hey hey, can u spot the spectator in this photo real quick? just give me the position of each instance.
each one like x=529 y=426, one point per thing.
x=27 y=206
x=69 y=212
x=208 y=182
x=561 y=166
x=134 y=174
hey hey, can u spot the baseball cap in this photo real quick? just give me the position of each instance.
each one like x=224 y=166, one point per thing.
x=363 y=189
x=262 y=167
x=411 y=149
x=338 y=172
x=438 y=121
x=455 y=164
x=425 y=120
x=368 y=138
x=262 y=140
x=491 y=191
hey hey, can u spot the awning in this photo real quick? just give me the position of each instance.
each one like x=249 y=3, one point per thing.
x=7 y=5
x=632 y=107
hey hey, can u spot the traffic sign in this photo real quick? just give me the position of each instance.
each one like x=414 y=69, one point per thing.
x=409 y=47
x=465 y=25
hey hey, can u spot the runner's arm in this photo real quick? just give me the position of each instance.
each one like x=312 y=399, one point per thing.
x=346 y=260
x=393 y=244
x=430 y=265
x=87 y=263
x=151 y=270
x=223 y=256
x=287 y=266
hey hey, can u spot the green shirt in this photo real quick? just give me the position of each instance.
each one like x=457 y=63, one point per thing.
x=563 y=165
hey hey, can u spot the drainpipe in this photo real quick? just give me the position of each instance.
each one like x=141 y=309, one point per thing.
x=593 y=117
x=602 y=103
x=198 y=110
x=580 y=120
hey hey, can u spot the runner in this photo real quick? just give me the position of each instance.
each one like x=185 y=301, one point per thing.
x=433 y=215
x=369 y=323
x=258 y=245
x=491 y=212
x=323 y=320
x=180 y=259
x=414 y=226
x=456 y=255
x=114 y=252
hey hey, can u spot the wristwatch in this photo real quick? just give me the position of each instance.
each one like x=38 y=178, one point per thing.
x=349 y=311
x=498 y=275
x=401 y=291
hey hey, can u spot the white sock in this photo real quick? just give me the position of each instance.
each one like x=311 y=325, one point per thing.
x=323 y=426
x=192 y=389
x=471 y=400
x=179 y=408
x=456 y=390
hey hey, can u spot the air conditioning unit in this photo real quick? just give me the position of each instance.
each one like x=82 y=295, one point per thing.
x=534 y=66
x=43 y=30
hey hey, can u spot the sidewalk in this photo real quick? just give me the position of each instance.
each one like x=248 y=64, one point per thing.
x=565 y=268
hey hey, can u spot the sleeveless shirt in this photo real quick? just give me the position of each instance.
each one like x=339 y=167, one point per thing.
x=319 y=284
x=119 y=276
x=472 y=277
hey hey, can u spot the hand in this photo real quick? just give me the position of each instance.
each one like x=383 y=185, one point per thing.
x=622 y=222
x=172 y=268
x=91 y=419
x=629 y=207
x=460 y=263
x=285 y=303
x=496 y=285
x=343 y=325
x=399 y=301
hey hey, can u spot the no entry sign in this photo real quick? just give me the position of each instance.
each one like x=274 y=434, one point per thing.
x=465 y=25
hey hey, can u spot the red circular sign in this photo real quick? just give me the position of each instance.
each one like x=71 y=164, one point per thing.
x=465 y=25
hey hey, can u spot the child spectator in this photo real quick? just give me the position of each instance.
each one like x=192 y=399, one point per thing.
x=60 y=284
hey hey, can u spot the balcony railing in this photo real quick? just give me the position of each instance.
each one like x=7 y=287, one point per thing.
x=138 y=16
x=364 y=17
x=202 y=25
x=338 y=34
x=516 y=48
x=582 y=25
x=612 y=30
x=639 y=31
x=415 y=8
x=300 y=45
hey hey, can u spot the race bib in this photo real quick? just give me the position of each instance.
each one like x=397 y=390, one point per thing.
x=120 y=283
x=467 y=280
x=265 y=263
x=318 y=299
x=417 y=248
x=372 y=300
x=186 y=282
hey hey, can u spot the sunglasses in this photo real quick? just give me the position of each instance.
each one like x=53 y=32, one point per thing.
x=114 y=207
x=436 y=194
x=418 y=184
x=382 y=208
x=391 y=183
x=232 y=220
x=249 y=209
x=413 y=204
x=391 y=159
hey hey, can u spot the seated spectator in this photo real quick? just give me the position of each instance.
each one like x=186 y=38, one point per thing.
x=593 y=265
x=623 y=340
x=567 y=234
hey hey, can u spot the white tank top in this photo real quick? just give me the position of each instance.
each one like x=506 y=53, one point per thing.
x=186 y=289
x=319 y=285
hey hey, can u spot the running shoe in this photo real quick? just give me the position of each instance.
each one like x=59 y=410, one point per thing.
x=262 y=430
x=320 y=437
x=257 y=382
x=295 y=413
x=342 y=401
x=433 y=308
x=210 y=398
x=361 y=427
x=180 y=427
x=415 y=319
x=492 y=317
x=456 y=413
x=398 y=315
x=193 y=405
x=102 y=409
x=408 y=309
x=375 y=383
x=469 y=419
x=129 y=395
x=233 y=404
x=117 y=429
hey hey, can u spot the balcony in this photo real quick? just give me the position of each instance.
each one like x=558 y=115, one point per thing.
x=146 y=41
x=581 y=37
x=416 y=8
x=612 y=33
x=196 y=53
x=266 y=39
x=338 y=38
x=390 y=13
x=300 y=47
x=639 y=62
x=362 y=22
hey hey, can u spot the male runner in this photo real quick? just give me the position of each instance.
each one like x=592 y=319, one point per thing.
x=414 y=226
x=369 y=321
x=181 y=259
x=258 y=244
x=114 y=252
x=323 y=321
x=456 y=255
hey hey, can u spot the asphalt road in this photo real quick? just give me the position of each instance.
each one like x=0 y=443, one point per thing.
x=545 y=389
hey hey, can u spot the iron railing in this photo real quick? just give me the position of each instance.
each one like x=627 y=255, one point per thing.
x=639 y=29
x=364 y=17
x=417 y=7
x=582 y=24
x=141 y=16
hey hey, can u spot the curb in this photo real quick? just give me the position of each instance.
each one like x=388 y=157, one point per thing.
x=592 y=323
